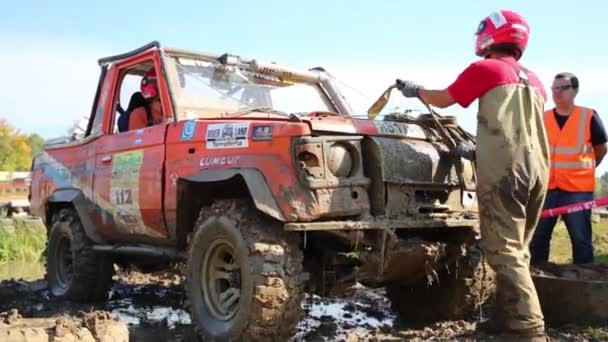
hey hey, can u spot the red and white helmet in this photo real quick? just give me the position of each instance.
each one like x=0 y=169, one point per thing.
x=149 y=86
x=503 y=29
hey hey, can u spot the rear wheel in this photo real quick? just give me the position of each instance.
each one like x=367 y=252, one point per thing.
x=457 y=290
x=244 y=275
x=73 y=270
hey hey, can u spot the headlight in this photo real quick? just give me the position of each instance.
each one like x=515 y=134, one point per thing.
x=340 y=160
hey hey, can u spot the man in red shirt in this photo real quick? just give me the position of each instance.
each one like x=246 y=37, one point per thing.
x=512 y=163
x=151 y=113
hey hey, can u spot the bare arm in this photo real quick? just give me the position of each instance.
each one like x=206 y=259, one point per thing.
x=437 y=98
x=600 y=153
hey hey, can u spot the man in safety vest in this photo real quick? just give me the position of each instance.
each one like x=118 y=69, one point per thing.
x=578 y=144
x=512 y=154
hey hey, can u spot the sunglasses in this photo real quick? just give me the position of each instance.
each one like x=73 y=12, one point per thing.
x=562 y=87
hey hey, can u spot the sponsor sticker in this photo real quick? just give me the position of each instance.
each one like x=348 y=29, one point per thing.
x=218 y=161
x=497 y=19
x=391 y=128
x=262 y=133
x=188 y=130
x=124 y=189
x=399 y=129
x=227 y=135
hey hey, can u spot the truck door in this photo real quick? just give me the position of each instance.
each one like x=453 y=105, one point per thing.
x=130 y=165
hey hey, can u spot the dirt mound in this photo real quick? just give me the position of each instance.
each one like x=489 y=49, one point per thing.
x=172 y=276
x=91 y=326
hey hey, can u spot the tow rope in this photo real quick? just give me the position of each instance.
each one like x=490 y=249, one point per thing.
x=567 y=209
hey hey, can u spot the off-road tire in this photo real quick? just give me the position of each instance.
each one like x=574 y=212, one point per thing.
x=267 y=264
x=86 y=276
x=458 y=290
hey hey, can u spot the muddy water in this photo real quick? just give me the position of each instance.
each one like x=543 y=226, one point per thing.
x=152 y=307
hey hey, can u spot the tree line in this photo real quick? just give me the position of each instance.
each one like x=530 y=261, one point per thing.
x=17 y=149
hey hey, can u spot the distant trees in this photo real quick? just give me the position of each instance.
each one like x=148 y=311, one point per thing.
x=17 y=149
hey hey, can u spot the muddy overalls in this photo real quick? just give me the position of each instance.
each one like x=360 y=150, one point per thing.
x=512 y=170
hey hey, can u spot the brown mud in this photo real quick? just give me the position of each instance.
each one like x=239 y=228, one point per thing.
x=151 y=306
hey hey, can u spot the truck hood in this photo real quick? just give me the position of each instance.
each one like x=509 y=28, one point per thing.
x=345 y=125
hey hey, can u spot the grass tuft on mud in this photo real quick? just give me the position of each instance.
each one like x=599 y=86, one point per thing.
x=22 y=239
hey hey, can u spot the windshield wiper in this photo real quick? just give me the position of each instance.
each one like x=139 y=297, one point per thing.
x=269 y=110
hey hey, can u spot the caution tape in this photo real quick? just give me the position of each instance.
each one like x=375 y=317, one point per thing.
x=567 y=209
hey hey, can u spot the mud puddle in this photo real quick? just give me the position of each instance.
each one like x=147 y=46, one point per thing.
x=151 y=306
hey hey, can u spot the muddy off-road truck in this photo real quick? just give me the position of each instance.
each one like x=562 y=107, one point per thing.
x=266 y=185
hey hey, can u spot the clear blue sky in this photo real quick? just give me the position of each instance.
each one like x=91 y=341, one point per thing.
x=49 y=48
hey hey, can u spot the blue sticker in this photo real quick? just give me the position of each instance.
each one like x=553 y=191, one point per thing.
x=189 y=130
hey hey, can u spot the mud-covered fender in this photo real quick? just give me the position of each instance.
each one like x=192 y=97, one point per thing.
x=259 y=190
x=77 y=199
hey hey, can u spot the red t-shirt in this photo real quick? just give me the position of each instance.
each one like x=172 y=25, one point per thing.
x=487 y=74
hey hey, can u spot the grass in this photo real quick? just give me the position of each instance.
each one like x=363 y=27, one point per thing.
x=561 y=248
x=22 y=240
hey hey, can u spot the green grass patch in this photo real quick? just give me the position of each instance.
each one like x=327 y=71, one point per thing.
x=22 y=240
x=561 y=247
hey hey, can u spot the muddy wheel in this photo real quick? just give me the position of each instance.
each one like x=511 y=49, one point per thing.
x=244 y=275
x=457 y=291
x=73 y=270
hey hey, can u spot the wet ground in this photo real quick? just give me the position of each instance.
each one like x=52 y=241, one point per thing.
x=151 y=305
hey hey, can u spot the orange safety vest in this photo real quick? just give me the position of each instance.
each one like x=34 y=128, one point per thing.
x=572 y=155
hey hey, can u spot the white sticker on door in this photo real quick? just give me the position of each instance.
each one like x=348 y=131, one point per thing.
x=227 y=135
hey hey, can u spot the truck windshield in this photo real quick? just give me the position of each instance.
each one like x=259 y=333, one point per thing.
x=210 y=89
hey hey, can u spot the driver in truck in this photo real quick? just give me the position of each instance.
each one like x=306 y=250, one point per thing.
x=151 y=112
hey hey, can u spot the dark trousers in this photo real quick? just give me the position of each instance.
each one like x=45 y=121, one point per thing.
x=577 y=223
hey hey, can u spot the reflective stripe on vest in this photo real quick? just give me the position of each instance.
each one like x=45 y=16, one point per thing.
x=572 y=166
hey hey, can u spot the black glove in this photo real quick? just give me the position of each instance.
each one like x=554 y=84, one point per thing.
x=407 y=88
x=465 y=150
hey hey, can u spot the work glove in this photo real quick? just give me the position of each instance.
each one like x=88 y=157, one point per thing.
x=407 y=88
x=465 y=150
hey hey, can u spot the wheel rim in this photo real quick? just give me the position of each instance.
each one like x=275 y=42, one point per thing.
x=221 y=280
x=65 y=266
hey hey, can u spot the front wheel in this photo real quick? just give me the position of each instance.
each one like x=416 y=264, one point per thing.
x=244 y=275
